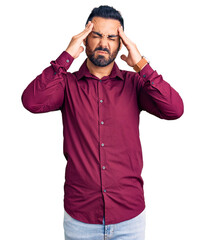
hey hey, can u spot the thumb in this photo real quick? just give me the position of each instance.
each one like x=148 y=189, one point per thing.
x=80 y=50
x=124 y=58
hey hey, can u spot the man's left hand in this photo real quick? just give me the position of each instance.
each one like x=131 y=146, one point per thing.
x=134 y=55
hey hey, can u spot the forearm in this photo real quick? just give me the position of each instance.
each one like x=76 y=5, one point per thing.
x=157 y=97
x=46 y=92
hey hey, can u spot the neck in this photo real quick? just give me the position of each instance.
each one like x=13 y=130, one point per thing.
x=99 y=72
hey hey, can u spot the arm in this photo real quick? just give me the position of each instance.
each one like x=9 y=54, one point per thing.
x=46 y=92
x=155 y=95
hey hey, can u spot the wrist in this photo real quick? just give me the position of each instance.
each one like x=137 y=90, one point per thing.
x=68 y=50
x=138 y=59
x=140 y=64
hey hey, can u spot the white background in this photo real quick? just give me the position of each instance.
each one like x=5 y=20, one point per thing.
x=32 y=166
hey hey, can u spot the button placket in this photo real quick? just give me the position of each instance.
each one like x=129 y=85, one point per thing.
x=101 y=136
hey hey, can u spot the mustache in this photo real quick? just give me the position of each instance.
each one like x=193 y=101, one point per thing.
x=102 y=49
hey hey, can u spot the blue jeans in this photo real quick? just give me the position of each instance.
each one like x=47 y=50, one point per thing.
x=126 y=230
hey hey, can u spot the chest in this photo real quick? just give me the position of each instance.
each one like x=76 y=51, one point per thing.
x=90 y=99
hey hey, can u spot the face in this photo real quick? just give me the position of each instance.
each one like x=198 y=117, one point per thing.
x=103 y=43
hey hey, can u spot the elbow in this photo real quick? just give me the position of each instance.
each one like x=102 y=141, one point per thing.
x=179 y=109
x=177 y=106
x=32 y=105
x=176 y=111
x=28 y=104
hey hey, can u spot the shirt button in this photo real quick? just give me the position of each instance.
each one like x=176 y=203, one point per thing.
x=152 y=83
x=101 y=101
x=105 y=190
x=102 y=122
x=67 y=60
x=103 y=167
x=100 y=80
x=102 y=144
x=144 y=76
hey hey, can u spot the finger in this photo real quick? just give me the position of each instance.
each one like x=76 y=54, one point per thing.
x=86 y=31
x=123 y=57
x=125 y=40
x=81 y=49
x=123 y=36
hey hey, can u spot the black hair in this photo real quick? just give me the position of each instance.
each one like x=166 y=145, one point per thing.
x=106 y=12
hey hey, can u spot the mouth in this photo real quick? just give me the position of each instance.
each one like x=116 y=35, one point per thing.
x=102 y=52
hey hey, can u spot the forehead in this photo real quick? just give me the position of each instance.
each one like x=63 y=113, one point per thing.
x=105 y=26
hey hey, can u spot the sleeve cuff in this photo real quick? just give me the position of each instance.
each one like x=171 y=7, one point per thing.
x=148 y=74
x=65 y=60
x=146 y=71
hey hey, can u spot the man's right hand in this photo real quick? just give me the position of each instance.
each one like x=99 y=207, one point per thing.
x=74 y=48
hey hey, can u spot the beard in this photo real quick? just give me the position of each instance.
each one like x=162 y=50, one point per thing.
x=101 y=60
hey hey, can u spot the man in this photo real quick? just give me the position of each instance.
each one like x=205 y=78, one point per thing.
x=100 y=106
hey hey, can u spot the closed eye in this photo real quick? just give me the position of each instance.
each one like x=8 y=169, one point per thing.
x=99 y=35
x=113 y=39
x=96 y=34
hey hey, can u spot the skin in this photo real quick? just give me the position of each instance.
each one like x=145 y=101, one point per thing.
x=108 y=35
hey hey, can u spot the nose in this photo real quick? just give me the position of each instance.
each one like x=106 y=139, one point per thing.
x=104 y=42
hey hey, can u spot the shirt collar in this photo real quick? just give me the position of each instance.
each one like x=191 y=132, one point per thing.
x=84 y=72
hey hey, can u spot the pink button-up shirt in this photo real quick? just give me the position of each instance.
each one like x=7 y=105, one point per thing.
x=101 y=133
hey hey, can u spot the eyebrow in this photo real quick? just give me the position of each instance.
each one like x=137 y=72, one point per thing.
x=99 y=34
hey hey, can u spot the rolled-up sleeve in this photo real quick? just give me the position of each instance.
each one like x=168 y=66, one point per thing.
x=46 y=92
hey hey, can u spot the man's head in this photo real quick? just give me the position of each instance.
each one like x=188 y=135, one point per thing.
x=106 y=12
x=104 y=43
